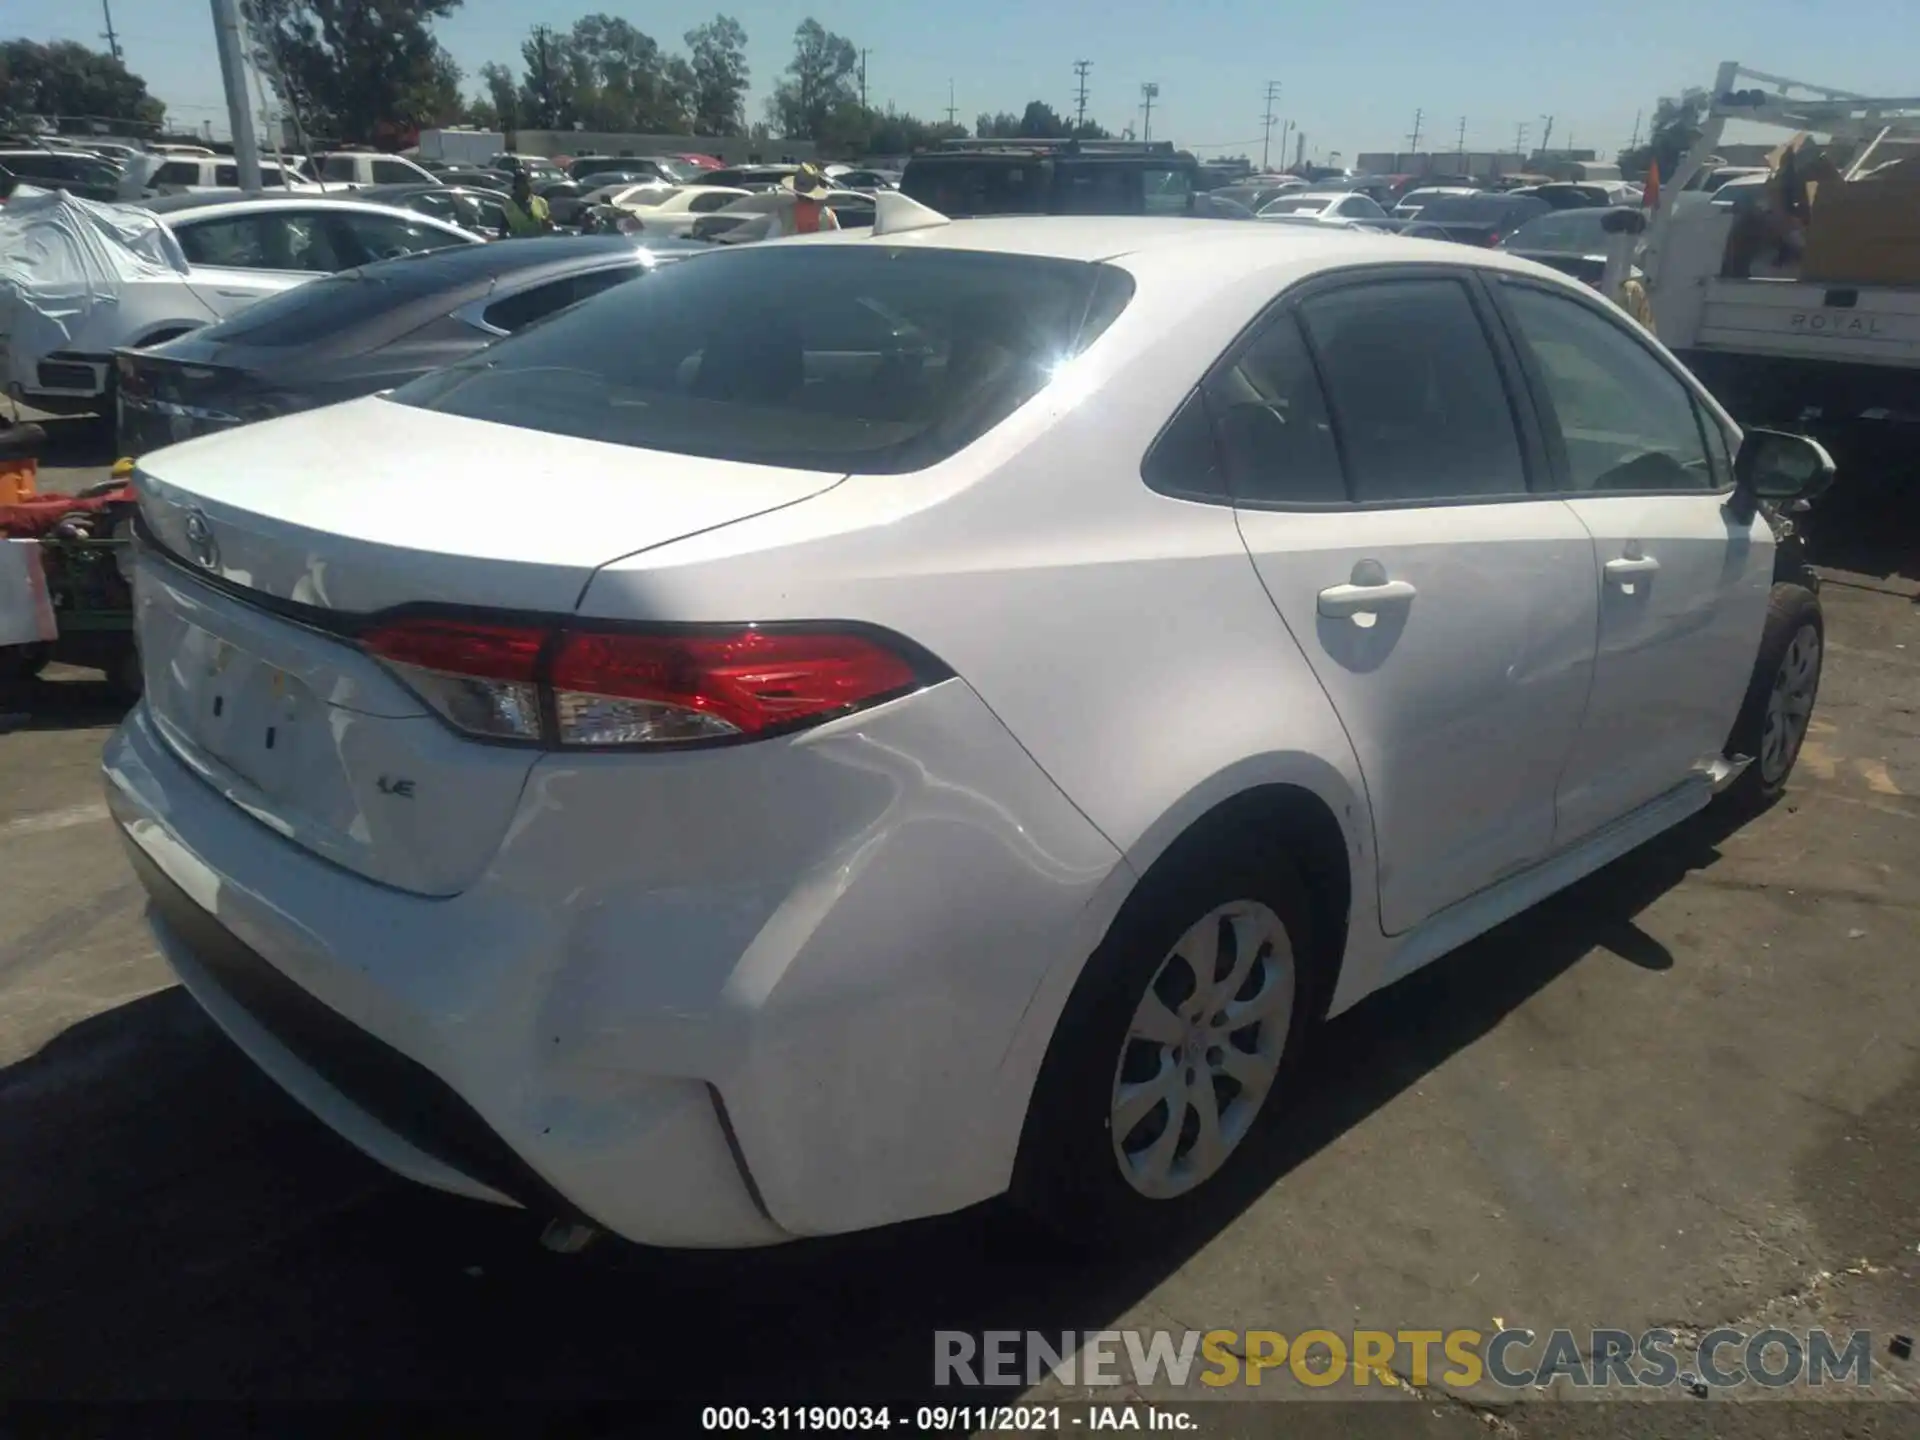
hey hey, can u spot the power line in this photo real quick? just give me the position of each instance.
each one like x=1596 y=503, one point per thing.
x=1080 y=68
x=1266 y=127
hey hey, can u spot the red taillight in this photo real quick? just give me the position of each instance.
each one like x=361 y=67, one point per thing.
x=485 y=652
x=637 y=688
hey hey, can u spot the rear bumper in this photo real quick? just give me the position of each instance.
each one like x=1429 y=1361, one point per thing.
x=593 y=1031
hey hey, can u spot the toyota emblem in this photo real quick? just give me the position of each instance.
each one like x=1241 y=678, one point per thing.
x=201 y=545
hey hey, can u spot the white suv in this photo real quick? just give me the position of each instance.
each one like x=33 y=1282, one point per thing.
x=1020 y=674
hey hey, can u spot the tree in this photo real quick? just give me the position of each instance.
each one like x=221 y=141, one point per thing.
x=434 y=97
x=1676 y=125
x=547 y=92
x=717 y=55
x=356 y=70
x=820 y=80
x=68 y=80
x=499 y=107
x=1039 y=121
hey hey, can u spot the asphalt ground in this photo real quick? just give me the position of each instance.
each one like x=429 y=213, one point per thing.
x=1684 y=1093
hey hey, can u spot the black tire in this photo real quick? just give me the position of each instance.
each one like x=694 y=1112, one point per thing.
x=1067 y=1175
x=1792 y=610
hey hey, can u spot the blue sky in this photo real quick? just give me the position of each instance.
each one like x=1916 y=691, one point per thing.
x=1352 y=72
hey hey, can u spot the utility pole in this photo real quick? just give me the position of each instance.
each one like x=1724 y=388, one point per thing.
x=1266 y=126
x=950 y=105
x=1634 y=144
x=1080 y=68
x=233 y=76
x=1149 y=92
x=113 y=40
x=1546 y=135
x=1286 y=129
x=1413 y=144
x=863 y=77
x=1299 y=149
x=1520 y=139
x=1461 y=142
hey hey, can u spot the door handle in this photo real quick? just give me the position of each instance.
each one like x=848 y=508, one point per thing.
x=1631 y=565
x=1337 y=601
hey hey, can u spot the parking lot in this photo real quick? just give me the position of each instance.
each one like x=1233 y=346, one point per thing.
x=1684 y=1093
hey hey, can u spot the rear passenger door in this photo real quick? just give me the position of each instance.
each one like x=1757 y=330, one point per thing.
x=1378 y=449
x=1683 y=583
x=237 y=259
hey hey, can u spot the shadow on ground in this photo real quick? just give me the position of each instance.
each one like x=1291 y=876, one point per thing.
x=172 y=1227
x=74 y=699
x=1870 y=527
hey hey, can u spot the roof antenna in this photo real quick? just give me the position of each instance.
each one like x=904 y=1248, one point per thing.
x=894 y=212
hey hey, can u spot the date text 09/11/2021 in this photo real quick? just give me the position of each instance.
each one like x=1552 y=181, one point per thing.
x=943 y=1419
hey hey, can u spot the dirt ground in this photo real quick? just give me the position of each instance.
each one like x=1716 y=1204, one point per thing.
x=1684 y=1093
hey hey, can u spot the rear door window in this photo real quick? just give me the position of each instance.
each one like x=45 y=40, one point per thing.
x=384 y=237
x=177 y=172
x=339 y=167
x=1276 y=436
x=394 y=172
x=817 y=357
x=516 y=312
x=1415 y=392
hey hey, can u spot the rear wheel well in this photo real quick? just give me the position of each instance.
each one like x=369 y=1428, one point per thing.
x=1299 y=824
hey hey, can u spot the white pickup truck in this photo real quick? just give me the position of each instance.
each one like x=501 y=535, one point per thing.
x=1775 y=350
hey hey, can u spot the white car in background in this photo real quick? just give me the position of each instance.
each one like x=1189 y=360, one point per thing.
x=1020 y=675
x=191 y=174
x=354 y=169
x=172 y=267
x=1341 y=208
x=653 y=211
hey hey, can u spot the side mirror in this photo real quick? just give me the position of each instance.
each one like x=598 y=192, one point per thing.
x=1773 y=465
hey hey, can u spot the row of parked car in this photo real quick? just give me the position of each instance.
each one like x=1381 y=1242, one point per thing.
x=221 y=251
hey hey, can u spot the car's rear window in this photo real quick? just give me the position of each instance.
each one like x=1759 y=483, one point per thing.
x=1482 y=209
x=1567 y=230
x=1302 y=206
x=334 y=303
x=846 y=358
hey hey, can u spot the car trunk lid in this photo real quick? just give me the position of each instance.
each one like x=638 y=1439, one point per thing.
x=268 y=548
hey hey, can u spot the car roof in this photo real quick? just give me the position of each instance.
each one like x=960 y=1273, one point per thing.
x=1200 y=253
x=533 y=254
x=244 y=204
x=421 y=187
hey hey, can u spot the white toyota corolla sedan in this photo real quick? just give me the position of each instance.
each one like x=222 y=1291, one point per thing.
x=845 y=728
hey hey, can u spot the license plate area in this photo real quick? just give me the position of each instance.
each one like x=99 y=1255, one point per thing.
x=252 y=717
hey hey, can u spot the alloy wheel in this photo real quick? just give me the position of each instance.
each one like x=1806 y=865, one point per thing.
x=1202 y=1049
x=1790 y=705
